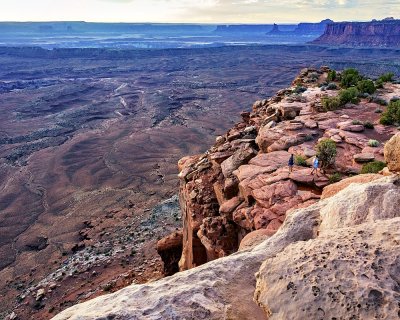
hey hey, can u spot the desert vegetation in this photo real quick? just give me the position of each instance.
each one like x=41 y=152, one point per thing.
x=392 y=114
x=372 y=167
x=326 y=152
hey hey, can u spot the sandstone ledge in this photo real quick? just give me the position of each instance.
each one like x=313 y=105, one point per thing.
x=223 y=289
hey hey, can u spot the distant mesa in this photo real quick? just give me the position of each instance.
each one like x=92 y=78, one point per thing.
x=304 y=28
x=252 y=28
x=309 y=28
x=383 y=33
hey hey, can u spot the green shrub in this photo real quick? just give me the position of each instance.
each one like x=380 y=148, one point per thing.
x=379 y=84
x=314 y=76
x=394 y=99
x=368 y=125
x=300 y=161
x=308 y=137
x=392 y=114
x=299 y=89
x=348 y=95
x=326 y=152
x=386 y=77
x=373 y=167
x=332 y=75
x=356 y=122
x=380 y=101
x=330 y=103
x=366 y=86
x=373 y=143
x=332 y=86
x=349 y=77
x=336 y=177
x=345 y=96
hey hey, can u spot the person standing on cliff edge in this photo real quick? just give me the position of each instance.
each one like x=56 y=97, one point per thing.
x=315 y=165
x=291 y=163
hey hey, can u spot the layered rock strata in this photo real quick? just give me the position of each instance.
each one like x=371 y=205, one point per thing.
x=243 y=183
x=385 y=33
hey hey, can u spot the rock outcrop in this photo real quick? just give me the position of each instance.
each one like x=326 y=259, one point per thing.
x=324 y=280
x=243 y=184
x=385 y=33
x=359 y=279
x=392 y=153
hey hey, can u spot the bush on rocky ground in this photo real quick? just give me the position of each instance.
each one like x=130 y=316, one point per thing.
x=366 y=86
x=332 y=76
x=335 y=177
x=372 y=167
x=326 y=152
x=349 y=78
x=368 y=125
x=387 y=77
x=300 y=161
x=392 y=114
x=373 y=143
x=349 y=95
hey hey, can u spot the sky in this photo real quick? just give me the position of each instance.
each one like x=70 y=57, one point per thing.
x=197 y=11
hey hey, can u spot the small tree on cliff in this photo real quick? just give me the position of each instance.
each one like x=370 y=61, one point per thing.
x=349 y=78
x=326 y=152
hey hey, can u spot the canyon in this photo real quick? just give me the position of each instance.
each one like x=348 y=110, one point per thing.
x=260 y=241
x=89 y=176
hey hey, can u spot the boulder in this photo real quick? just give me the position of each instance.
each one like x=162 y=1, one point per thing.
x=270 y=194
x=286 y=141
x=218 y=236
x=229 y=206
x=311 y=124
x=333 y=189
x=358 y=203
x=392 y=153
x=267 y=136
x=363 y=157
x=254 y=238
x=351 y=127
x=241 y=156
x=40 y=294
x=273 y=160
x=320 y=279
x=170 y=250
x=289 y=111
x=308 y=152
x=249 y=171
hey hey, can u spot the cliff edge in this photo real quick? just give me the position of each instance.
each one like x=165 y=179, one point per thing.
x=330 y=250
x=311 y=268
x=385 y=33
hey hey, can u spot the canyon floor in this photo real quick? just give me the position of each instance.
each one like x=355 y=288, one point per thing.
x=89 y=142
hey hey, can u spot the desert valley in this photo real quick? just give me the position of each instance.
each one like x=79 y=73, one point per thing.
x=94 y=196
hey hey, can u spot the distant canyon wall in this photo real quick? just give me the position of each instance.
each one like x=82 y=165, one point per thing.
x=385 y=33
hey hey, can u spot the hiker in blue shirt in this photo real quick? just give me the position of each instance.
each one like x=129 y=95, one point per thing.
x=315 y=165
x=291 y=163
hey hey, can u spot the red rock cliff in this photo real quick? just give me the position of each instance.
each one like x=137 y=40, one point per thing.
x=241 y=190
x=385 y=33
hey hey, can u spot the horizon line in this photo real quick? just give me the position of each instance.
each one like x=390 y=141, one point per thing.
x=182 y=23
